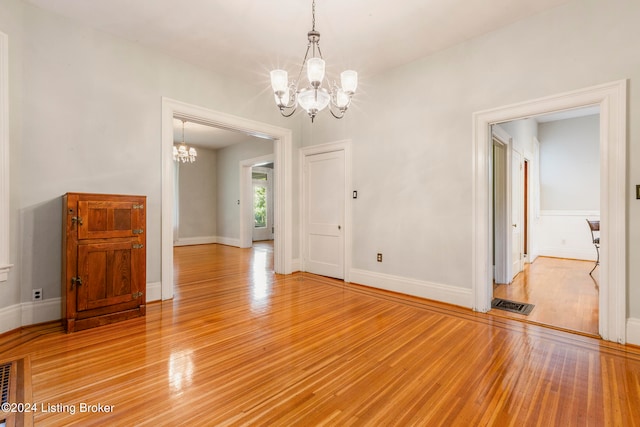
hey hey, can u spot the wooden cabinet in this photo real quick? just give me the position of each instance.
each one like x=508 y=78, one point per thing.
x=103 y=259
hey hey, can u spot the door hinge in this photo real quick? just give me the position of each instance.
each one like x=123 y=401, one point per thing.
x=77 y=219
x=136 y=295
x=137 y=231
x=137 y=206
x=137 y=246
x=76 y=281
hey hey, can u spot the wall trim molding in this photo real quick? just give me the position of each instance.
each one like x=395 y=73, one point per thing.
x=188 y=241
x=154 y=292
x=568 y=253
x=5 y=266
x=633 y=331
x=420 y=288
x=34 y=312
x=10 y=318
x=612 y=100
x=570 y=213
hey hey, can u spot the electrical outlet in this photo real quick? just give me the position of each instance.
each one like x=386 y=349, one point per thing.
x=37 y=294
x=379 y=258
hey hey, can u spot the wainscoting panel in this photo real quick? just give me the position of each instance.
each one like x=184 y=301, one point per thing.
x=565 y=234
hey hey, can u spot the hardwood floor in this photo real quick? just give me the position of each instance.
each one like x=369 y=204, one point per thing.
x=563 y=292
x=240 y=345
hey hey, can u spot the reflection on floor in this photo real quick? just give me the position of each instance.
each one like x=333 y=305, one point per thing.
x=563 y=292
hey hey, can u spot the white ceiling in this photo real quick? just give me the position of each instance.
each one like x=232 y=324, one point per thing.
x=248 y=38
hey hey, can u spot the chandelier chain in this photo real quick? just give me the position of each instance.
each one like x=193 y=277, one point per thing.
x=313 y=15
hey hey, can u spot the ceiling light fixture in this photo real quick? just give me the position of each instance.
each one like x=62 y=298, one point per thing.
x=313 y=98
x=183 y=153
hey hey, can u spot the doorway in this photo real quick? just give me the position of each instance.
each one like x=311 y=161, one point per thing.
x=563 y=177
x=283 y=229
x=612 y=101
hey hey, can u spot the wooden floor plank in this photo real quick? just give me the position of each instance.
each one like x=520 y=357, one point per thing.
x=564 y=294
x=240 y=345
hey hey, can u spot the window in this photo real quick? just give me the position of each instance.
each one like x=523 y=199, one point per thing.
x=260 y=204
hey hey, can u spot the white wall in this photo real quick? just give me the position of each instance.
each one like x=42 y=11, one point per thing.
x=570 y=186
x=85 y=115
x=412 y=134
x=570 y=164
x=198 y=196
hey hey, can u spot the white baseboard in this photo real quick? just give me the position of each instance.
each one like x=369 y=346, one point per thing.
x=10 y=318
x=207 y=240
x=569 y=253
x=295 y=265
x=46 y=310
x=633 y=331
x=188 y=241
x=154 y=291
x=404 y=285
x=229 y=241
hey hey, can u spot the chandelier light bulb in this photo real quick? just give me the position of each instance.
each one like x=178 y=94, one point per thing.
x=279 y=80
x=349 y=81
x=315 y=71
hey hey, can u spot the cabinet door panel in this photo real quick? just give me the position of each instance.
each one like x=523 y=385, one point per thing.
x=108 y=274
x=109 y=219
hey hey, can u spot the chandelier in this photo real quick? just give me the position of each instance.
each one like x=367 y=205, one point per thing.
x=313 y=98
x=183 y=153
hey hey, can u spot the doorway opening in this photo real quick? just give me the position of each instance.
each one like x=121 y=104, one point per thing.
x=612 y=101
x=548 y=205
x=282 y=181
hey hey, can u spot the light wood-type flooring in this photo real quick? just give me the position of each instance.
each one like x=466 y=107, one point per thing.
x=241 y=346
x=564 y=294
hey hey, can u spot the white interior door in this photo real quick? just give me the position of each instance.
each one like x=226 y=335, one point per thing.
x=262 y=203
x=324 y=206
x=517 y=212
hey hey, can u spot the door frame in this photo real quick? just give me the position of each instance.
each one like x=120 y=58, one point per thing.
x=345 y=146
x=246 y=198
x=283 y=211
x=502 y=237
x=612 y=99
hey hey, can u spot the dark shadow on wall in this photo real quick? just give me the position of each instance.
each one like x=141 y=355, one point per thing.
x=41 y=249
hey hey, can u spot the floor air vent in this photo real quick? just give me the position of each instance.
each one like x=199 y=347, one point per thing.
x=512 y=306
x=5 y=373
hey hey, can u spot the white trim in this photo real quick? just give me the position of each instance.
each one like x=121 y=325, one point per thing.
x=503 y=263
x=420 y=288
x=246 y=199
x=283 y=142
x=5 y=266
x=10 y=318
x=345 y=146
x=228 y=241
x=582 y=214
x=203 y=240
x=612 y=99
x=154 y=292
x=34 y=312
x=295 y=264
x=633 y=331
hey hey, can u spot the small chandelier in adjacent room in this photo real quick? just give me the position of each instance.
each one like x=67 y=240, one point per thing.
x=313 y=98
x=182 y=153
